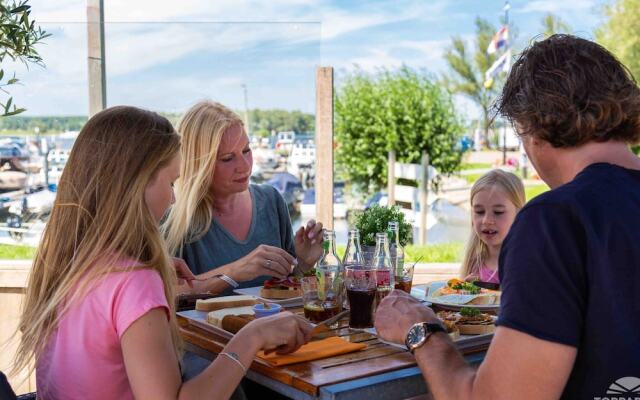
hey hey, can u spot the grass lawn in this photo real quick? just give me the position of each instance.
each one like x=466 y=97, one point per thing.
x=475 y=166
x=446 y=252
x=10 y=252
x=532 y=191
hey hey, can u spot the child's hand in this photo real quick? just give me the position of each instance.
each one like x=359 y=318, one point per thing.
x=183 y=272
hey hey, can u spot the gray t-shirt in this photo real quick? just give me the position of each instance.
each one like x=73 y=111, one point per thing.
x=270 y=225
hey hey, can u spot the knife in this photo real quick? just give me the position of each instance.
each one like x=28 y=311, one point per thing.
x=319 y=327
x=324 y=325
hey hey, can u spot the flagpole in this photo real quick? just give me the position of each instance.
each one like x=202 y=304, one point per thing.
x=504 y=132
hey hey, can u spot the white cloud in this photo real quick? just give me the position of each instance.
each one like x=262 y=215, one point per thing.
x=555 y=6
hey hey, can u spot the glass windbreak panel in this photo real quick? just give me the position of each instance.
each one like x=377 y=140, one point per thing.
x=263 y=71
x=167 y=67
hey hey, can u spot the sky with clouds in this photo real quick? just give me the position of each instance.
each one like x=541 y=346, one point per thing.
x=165 y=55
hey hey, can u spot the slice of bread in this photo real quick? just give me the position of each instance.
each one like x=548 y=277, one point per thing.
x=479 y=329
x=280 y=293
x=215 y=317
x=218 y=303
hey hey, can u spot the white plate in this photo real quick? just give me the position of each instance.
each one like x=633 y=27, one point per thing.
x=433 y=286
x=255 y=291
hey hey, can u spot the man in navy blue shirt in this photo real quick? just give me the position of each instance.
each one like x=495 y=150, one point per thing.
x=569 y=324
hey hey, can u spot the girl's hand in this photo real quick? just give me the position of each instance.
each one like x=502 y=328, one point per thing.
x=308 y=244
x=183 y=272
x=264 y=260
x=284 y=332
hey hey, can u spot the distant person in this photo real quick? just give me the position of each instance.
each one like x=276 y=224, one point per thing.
x=99 y=314
x=222 y=225
x=496 y=198
x=569 y=322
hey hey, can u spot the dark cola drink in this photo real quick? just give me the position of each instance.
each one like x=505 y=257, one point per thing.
x=403 y=284
x=361 y=304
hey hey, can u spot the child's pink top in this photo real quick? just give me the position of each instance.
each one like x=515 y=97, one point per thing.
x=488 y=275
x=83 y=358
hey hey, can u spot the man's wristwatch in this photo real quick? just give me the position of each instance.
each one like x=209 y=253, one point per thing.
x=419 y=334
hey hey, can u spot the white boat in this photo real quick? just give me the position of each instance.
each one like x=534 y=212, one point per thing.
x=308 y=205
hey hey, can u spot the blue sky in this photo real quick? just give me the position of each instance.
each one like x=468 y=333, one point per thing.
x=165 y=55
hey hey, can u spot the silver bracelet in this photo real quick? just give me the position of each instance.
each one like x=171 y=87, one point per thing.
x=229 y=281
x=234 y=357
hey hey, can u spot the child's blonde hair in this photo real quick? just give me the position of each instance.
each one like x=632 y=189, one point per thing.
x=477 y=252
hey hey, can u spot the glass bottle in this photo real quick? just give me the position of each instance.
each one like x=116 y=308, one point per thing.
x=330 y=281
x=383 y=267
x=353 y=254
x=396 y=253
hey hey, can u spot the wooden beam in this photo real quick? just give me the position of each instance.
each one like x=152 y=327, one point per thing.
x=324 y=146
x=96 y=59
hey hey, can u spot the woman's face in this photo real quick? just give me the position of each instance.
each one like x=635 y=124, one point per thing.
x=233 y=164
x=493 y=214
x=159 y=192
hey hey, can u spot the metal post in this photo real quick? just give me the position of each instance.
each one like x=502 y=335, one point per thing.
x=97 y=69
x=391 y=178
x=246 y=110
x=324 y=146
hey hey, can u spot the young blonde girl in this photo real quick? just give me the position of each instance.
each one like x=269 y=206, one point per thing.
x=496 y=198
x=99 y=312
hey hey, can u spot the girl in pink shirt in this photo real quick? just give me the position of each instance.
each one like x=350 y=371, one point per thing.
x=99 y=310
x=496 y=198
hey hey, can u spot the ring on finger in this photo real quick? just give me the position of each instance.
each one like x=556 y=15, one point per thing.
x=268 y=263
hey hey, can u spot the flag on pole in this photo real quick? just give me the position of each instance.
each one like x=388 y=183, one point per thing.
x=499 y=40
x=502 y=64
x=507 y=6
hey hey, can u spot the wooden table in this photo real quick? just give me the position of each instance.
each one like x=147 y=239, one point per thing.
x=381 y=371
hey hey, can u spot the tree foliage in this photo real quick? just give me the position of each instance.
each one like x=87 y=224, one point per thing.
x=619 y=33
x=18 y=36
x=263 y=122
x=468 y=66
x=403 y=111
x=552 y=24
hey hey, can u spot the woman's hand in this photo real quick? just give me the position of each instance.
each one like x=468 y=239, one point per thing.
x=308 y=244
x=284 y=332
x=183 y=272
x=264 y=260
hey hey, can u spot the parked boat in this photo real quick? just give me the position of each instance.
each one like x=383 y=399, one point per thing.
x=308 y=205
x=289 y=187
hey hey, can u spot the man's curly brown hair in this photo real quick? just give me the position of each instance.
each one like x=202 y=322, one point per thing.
x=570 y=91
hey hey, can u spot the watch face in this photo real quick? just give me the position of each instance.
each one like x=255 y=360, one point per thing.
x=416 y=335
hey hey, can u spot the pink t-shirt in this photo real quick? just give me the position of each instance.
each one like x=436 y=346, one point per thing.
x=489 y=275
x=83 y=359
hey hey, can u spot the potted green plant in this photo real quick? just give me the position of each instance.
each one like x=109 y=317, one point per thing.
x=376 y=219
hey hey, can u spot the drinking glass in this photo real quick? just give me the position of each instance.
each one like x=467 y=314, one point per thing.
x=361 y=285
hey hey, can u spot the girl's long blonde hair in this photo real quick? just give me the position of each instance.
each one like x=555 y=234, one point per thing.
x=99 y=218
x=476 y=251
x=201 y=130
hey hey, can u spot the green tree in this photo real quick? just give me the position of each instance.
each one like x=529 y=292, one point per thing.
x=552 y=24
x=403 y=111
x=619 y=33
x=18 y=36
x=469 y=65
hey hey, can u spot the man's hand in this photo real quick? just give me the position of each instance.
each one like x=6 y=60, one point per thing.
x=397 y=313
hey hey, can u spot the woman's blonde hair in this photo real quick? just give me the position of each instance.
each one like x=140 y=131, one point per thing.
x=476 y=251
x=99 y=219
x=201 y=130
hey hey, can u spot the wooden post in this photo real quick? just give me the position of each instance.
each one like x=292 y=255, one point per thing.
x=391 y=178
x=423 y=187
x=324 y=146
x=97 y=70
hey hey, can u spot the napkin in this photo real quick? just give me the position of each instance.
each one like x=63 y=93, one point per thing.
x=315 y=350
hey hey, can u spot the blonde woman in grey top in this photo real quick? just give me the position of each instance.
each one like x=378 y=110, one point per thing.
x=219 y=223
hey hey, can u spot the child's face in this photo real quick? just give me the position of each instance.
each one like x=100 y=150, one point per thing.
x=159 y=192
x=493 y=214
